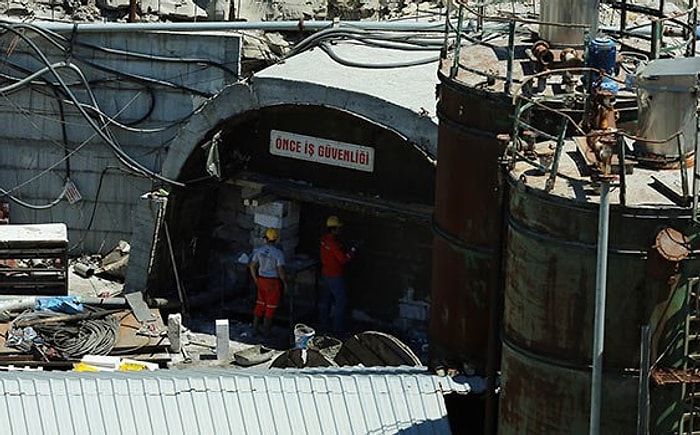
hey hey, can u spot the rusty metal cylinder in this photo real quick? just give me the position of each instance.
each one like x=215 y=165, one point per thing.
x=467 y=226
x=549 y=304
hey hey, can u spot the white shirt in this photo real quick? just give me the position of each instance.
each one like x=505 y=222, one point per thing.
x=269 y=258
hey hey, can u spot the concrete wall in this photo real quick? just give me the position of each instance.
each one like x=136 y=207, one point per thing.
x=155 y=95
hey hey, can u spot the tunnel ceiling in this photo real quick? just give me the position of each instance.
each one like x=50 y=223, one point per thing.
x=402 y=172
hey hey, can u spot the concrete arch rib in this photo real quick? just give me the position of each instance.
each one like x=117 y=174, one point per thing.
x=418 y=129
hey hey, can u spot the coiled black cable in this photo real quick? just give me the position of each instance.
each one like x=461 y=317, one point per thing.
x=95 y=333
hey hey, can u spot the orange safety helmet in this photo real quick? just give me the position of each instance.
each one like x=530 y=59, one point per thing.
x=333 y=222
x=271 y=234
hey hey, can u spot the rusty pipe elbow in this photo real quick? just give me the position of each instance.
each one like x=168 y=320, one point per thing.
x=542 y=53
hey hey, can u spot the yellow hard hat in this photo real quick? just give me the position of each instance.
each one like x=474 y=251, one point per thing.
x=333 y=222
x=271 y=234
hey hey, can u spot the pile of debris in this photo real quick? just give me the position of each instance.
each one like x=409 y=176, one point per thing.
x=112 y=265
x=64 y=332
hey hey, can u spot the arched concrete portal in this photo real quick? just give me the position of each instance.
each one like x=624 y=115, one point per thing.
x=365 y=108
x=419 y=129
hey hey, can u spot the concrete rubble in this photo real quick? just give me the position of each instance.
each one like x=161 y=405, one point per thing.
x=265 y=48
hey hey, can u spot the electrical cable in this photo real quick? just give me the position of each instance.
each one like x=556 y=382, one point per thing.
x=62 y=195
x=345 y=33
x=95 y=333
x=120 y=154
x=123 y=157
x=64 y=134
x=143 y=79
x=329 y=51
x=152 y=58
x=72 y=53
x=51 y=204
x=86 y=230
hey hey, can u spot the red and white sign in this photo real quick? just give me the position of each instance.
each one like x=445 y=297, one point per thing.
x=315 y=149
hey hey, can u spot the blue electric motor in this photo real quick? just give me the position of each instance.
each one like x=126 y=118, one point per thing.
x=601 y=56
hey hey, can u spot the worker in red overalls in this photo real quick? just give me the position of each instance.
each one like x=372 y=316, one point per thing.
x=267 y=269
x=333 y=259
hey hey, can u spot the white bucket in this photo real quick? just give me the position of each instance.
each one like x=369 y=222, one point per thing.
x=302 y=335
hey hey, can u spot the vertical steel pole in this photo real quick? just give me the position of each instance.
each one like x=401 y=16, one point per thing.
x=599 y=322
x=454 y=70
x=655 y=38
x=511 y=56
x=595 y=19
x=644 y=364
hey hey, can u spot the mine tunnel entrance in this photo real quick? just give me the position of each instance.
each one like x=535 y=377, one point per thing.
x=386 y=208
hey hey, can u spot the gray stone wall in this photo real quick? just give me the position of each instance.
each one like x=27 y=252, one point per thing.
x=45 y=140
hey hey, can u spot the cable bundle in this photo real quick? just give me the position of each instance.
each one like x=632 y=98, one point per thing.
x=69 y=337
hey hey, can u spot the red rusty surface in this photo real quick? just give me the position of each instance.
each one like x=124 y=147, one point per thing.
x=459 y=321
x=667 y=375
x=540 y=398
x=468 y=208
x=549 y=295
x=4 y=213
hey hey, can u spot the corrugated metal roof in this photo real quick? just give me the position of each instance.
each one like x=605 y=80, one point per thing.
x=338 y=400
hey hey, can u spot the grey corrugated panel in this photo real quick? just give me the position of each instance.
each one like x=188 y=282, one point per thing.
x=338 y=400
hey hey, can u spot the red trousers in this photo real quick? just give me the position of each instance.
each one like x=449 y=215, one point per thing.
x=269 y=293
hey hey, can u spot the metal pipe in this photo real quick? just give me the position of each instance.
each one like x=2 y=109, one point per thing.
x=599 y=322
x=595 y=19
x=644 y=367
x=113 y=302
x=623 y=16
x=511 y=57
x=622 y=155
x=693 y=24
x=458 y=41
x=83 y=270
x=132 y=11
x=180 y=291
x=680 y=139
x=696 y=174
x=281 y=26
x=655 y=39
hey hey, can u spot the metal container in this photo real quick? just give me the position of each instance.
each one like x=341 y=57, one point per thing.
x=667 y=99
x=549 y=305
x=543 y=398
x=568 y=12
x=467 y=226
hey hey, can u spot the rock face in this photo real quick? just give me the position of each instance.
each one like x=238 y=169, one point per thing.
x=279 y=10
x=355 y=9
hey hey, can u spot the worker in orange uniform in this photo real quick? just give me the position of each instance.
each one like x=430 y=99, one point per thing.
x=333 y=260
x=267 y=269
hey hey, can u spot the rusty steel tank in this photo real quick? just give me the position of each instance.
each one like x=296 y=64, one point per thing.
x=467 y=219
x=530 y=143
